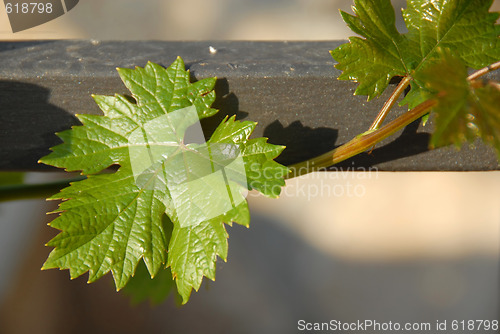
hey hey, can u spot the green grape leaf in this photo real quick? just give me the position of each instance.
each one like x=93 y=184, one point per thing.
x=110 y=221
x=193 y=252
x=142 y=286
x=374 y=60
x=465 y=110
x=463 y=26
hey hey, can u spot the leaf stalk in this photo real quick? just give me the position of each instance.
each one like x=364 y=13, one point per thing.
x=390 y=102
x=483 y=71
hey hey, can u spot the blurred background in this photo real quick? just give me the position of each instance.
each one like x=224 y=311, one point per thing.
x=400 y=247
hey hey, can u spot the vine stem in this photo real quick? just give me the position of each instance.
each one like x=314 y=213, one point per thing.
x=373 y=136
x=28 y=191
x=360 y=143
x=405 y=82
x=484 y=70
x=390 y=102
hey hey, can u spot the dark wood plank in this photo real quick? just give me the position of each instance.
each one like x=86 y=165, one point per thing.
x=290 y=88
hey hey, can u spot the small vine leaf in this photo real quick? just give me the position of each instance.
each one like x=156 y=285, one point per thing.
x=465 y=27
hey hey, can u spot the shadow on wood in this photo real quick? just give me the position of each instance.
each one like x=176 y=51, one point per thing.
x=28 y=123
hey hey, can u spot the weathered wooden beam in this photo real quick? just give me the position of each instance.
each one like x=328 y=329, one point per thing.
x=290 y=88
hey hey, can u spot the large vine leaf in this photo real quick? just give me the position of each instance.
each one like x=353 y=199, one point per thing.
x=465 y=110
x=463 y=26
x=110 y=221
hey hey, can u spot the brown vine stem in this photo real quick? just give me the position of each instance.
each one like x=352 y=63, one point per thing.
x=483 y=71
x=406 y=81
x=368 y=139
x=360 y=143
x=390 y=102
